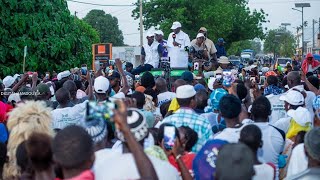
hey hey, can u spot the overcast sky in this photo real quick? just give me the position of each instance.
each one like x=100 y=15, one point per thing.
x=279 y=12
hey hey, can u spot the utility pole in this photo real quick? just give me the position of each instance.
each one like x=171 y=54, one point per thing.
x=75 y=14
x=141 y=25
x=313 y=35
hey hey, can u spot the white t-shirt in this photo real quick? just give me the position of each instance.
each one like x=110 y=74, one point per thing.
x=277 y=108
x=309 y=99
x=283 y=124
x=298 y=161
x=264 y=171
x=273 y=143
x=64 y=117
x=165 y=97
x=112 y=165
x=178 y=55
x=230 y=135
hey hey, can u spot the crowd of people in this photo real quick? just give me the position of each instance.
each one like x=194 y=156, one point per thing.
x=103 y=124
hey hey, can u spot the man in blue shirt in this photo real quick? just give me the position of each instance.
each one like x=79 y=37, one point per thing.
x=159 y=37
x=221 y=51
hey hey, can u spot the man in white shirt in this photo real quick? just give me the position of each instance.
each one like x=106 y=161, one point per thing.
x=230 y=108
x=66 y=115
x=121 y=164
x=272 y=137
x=164 y=95
x=178 y=42
x=294 y=82
x=150 y=55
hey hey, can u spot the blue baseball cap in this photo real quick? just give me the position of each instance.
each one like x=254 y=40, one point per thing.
x=221 y=40
x=198 y=87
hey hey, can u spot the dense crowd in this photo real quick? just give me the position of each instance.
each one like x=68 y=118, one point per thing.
x=105 y=124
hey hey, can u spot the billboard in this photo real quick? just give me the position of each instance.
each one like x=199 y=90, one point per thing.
x=101 y=53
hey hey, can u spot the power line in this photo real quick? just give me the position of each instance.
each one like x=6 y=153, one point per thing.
x=94 y=4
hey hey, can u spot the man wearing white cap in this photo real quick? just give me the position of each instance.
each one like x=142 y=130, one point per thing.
x=178 y=43
x=186 y=116
x=150 y=55
x=211 y=48
x=159 y=37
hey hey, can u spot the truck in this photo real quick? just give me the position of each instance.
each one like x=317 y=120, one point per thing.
x=247 y=55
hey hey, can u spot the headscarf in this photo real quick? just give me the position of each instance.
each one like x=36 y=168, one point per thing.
x=272 y=89
x=214 y=99
x=305 y=64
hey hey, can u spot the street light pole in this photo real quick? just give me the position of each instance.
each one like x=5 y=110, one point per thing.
x=141 y=25
x=302 y=5
x=302 y=33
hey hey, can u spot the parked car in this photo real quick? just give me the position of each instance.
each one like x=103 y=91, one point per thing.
x=282 y=62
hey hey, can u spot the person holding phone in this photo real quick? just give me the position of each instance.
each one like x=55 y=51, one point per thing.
x=170 y=142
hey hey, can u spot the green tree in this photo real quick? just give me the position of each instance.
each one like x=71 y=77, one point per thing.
x=55 y=39
x=236 y=47
x=106 y=25
x=230 y=19
x=280 y=41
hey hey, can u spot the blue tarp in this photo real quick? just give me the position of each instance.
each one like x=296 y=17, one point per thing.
x=316 y=56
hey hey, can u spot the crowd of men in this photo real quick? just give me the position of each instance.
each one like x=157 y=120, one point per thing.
x=80 y=124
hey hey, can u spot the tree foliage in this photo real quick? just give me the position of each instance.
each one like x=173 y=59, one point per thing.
x=236 y=47
x=280 y=41
x=55 y=39
x=106 y=25
x=230 y=19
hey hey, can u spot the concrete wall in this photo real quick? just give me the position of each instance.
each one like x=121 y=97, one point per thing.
x=128 y=54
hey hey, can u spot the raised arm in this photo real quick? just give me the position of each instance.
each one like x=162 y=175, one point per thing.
x=125 y=89
x=144 y=165
x=309 y=85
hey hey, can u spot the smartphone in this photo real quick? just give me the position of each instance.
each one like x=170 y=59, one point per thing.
x=169 y=137
x=84 y=69
x=262 y=80
x=218 y=76
x=196 y=66
x=100 y=110
x=137 y=78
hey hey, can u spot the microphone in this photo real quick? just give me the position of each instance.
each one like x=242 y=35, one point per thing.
x=174 y=37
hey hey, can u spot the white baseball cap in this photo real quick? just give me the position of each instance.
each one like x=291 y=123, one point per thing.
x=176 y=25
x=63 y=74
x=200 y=35
x=150 y=34
x=293 y=97
x=185 y=91
x=101 y=84
x=14 y=97
x=159 y=32
x=8 y=81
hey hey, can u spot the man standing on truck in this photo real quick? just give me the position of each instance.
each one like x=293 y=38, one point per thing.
x=221 y=51
x=150 y=55
x=178 y=43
